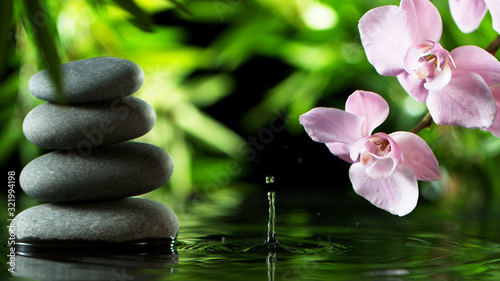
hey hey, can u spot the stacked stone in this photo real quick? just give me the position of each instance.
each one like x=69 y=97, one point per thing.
x=89 y=179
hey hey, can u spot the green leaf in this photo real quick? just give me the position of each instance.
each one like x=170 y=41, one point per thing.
x=9 y=127
x=181 y=7
x=299 y=92
x=6 y=16
x=10 y=137
x=209 y=131
x=40 y=28
x=96 y=6
x=209 y=89
x=9 y=89
x=141 y=18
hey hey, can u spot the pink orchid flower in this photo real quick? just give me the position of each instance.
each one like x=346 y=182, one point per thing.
x=385 y=168
x=403 y=41
x=468 y=14
x=494 y=129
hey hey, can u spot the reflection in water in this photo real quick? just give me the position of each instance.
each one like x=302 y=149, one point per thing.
x=389 y=273
x=271 y=262
x=132 y=262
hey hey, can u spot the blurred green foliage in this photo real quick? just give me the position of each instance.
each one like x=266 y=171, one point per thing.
x=317 y=41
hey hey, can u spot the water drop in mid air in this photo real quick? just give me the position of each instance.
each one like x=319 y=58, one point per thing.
x=269 y=179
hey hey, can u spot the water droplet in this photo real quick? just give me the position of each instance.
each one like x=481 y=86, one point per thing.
x=269 y=179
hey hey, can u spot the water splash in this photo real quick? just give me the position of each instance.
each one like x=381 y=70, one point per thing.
x=270 y=246
x=271 y=241
x=271 y=225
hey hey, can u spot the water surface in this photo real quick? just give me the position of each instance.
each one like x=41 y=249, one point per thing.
x=322 y=237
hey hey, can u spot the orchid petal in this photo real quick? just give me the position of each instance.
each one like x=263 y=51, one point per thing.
x=495 y=126
x=440 y=80
x=474 y=59
x=413 y=86
x=386 y=35
x=331 y=125
x=494 y=129
x=468 y=14
x=424 y=19
x=397 y=194
x=494 y=8
x=341 y=150
x=466 y=101
x=381 y=168
x=369 y=105
x=418 y=156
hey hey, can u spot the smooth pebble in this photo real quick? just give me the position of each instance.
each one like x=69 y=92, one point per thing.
x=109 y=172
x=83 y=126
x=123 y=220
x=90 y=80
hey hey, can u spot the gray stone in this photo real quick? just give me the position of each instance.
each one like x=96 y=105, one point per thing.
x=109 y=172
x=123 y=220
x=83 y=126
x=90 y=80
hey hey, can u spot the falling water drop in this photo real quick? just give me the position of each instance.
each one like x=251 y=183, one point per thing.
x=269 y=179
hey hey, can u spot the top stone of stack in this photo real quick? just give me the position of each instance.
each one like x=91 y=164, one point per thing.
x=90 y=80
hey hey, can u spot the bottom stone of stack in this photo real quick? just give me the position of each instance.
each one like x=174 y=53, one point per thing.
x=128 y=220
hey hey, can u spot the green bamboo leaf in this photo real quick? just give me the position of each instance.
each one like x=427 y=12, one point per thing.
x=9 y=89
x=97 y=6
x=9 y=128
x=298 y=92
x=10 y=138
x=203 y=127
x=40 y=28
x=141 y=18
x=206 y=90
x=181 y=7
x=6 y=18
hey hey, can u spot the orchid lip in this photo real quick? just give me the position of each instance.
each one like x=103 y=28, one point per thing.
x=429 y=61
x=374 y=148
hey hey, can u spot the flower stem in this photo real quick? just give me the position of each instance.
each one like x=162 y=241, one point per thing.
x=493 y=46
x=424 y=123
